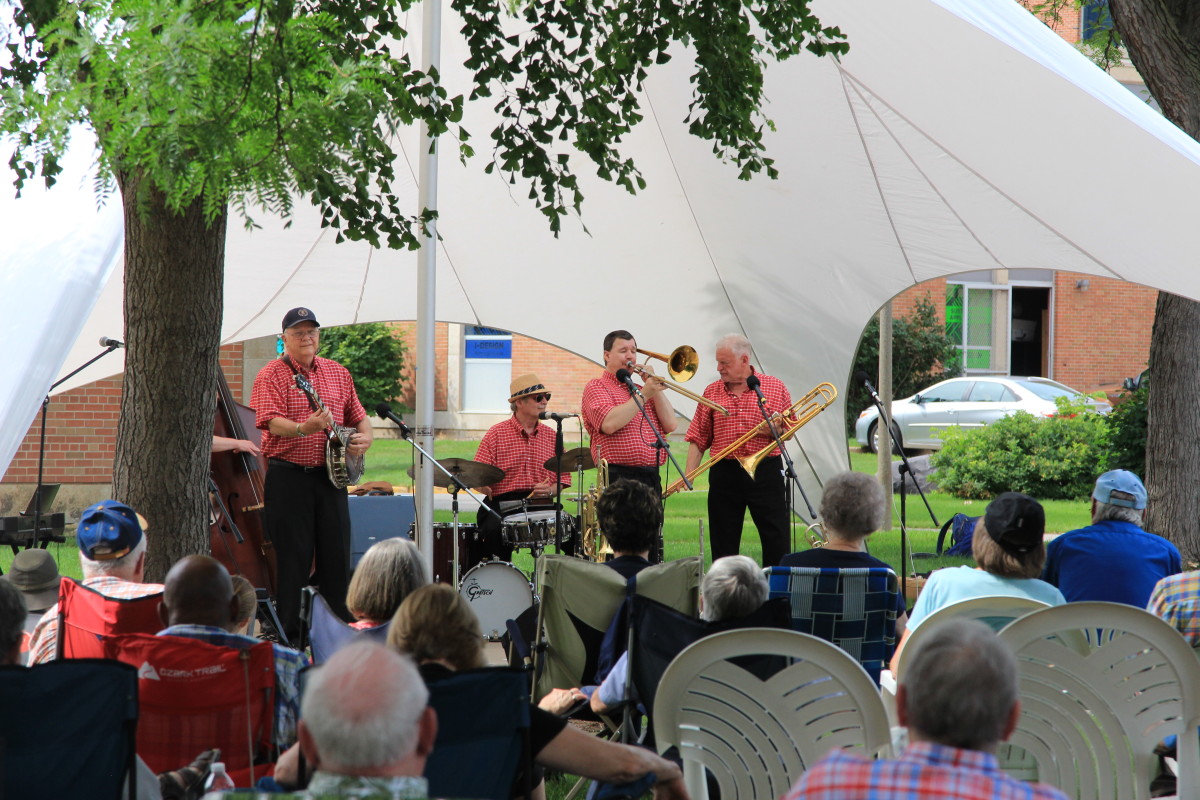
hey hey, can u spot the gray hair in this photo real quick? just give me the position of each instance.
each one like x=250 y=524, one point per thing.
x=12 y=619
x=363 y=706
x=1106 y=511
x=961 y=685
x=124 y=567
x=389 y=571
x=853 y=504
x=739 y=344
x=734 y=587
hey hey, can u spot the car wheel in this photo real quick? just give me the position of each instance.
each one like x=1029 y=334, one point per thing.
x=873 y=438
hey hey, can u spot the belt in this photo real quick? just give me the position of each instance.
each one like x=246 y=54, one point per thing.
x=279 y=462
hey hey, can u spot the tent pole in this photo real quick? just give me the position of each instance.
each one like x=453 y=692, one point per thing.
x=426 y=367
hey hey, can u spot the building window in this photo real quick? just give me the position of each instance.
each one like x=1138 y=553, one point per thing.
x=487 y=370
x=970 y=322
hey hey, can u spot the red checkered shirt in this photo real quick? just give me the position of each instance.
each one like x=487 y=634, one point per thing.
x=521 y=455
x=924 y=771
x=44 y=646
x=275 y=395
x=711 y=430
x=633 y=445
x=1176 y=599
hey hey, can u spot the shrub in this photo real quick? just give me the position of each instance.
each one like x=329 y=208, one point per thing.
x=922 y=355
x=1053 y=458
x=1127 y=431
x=373 y=354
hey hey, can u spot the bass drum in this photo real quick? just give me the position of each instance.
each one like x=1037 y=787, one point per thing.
x=497 y=592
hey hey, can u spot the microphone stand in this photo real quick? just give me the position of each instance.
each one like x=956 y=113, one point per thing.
x=455 y=487
x=37 y=507
x=558 y=510
x=790 y=472
x=905 y=470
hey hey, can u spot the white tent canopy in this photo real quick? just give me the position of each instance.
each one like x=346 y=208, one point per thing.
x=997 y=147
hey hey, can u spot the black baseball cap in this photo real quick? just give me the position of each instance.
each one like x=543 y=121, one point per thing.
x=1015 y=521
x=298 y=315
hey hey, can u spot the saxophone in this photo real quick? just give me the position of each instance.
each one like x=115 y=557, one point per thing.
x=595 y=546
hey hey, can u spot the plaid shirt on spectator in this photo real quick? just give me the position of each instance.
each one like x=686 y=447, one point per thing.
x=1176 y=599
x=275 y=395
x=288 y=663
x=924 y=771
x=633 y=445
x=521 y=455
x=44 y=646
x=715 y=432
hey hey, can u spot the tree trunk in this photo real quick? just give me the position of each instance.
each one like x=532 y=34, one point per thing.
x=174 y=273
x=1163 y=40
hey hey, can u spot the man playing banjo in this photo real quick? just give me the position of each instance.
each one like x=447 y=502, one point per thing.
x=306 y=513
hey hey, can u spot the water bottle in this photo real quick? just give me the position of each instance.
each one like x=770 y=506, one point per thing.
x=218 y=779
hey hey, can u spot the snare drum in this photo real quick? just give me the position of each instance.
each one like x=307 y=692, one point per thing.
x=535 y=529
x=443 y=548
x=497 y=592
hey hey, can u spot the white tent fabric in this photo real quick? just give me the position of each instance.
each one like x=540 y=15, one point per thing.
x=954 y=136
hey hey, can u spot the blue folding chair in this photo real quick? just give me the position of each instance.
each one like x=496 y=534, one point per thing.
x=853 y=608
x=483 y=734
x=68 y=729
x=326 y=631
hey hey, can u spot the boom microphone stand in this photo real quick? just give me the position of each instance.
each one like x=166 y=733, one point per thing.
x=753 y=383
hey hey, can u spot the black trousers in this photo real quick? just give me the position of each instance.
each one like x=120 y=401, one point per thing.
x=731 y=491
x=307 y=516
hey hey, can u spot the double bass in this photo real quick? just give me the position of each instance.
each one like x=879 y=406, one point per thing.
x=238 y=533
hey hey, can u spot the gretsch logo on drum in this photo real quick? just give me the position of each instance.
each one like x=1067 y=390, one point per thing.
x=475 y=591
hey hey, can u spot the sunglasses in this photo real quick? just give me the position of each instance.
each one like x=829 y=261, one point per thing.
x=543 y=397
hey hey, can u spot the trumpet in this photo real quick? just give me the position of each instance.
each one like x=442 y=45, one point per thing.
x=800 y=413
x=640 y=370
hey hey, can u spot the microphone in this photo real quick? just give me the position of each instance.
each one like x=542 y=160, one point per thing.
x=862 y=377
x=385 y=412
x=107 y=342
x=626 y=377
x=554 y=415
x=753 y=383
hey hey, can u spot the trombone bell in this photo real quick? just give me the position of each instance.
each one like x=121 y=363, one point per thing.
x=681 y=364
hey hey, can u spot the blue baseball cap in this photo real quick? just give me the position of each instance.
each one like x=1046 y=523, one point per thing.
x=108 y=530
x=1123 y=481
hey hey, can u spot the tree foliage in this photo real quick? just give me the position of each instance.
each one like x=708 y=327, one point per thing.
x=922 y=354
x=373 y=354
x=1127 y=430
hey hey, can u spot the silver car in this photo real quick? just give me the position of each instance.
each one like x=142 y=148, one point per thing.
x=969 y=402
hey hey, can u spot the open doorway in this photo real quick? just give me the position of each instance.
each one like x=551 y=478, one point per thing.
x=1030 y=351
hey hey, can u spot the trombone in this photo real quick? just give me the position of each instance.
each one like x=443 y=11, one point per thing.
x=802 y=411
x=681 y=366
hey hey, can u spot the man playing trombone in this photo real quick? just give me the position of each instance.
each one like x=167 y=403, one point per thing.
x=731 y=489
x=619 y=431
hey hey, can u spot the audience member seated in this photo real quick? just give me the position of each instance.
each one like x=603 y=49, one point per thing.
x=366 y=727
x=1112 y=559
x=959 y=700
x=198 y=603
x=35 y=574
x=734 y=587
x=247 y=604
x=112 y=554
x=12 y=622
x=852 y=508
x=437 y=628
x=630 y=514
x=1009 y=553
x=389 y=571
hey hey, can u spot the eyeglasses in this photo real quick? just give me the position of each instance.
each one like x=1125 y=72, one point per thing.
x=305 y=334
x=540 y=398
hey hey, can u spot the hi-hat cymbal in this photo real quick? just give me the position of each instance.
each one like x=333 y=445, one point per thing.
x=578 y=458
x=471 y=474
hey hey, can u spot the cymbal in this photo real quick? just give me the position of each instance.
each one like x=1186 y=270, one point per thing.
x=578 y=458
x=471 y=474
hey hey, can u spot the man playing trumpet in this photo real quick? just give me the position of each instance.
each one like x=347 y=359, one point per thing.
x=731 y=490
x=618 y=429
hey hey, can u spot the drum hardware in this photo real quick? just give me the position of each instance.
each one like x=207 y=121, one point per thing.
x=535 y=529
x=458 y=474
x=799 y=414
x=497 y=591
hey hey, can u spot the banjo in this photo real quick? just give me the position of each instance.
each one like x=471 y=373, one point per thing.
x=343 y=468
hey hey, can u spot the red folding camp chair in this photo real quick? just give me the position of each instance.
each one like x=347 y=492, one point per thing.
x=86 y=617
x=194 y=696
